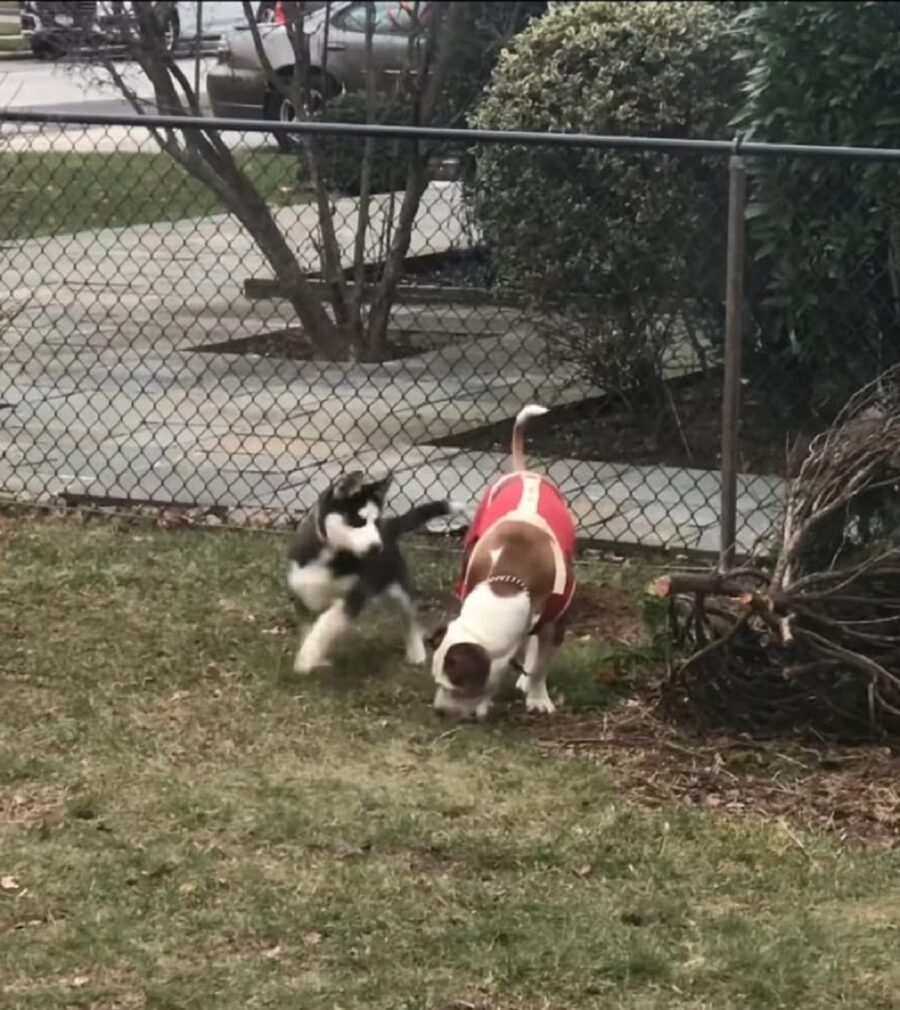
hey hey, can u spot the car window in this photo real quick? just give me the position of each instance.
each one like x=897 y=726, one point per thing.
x=396 y=17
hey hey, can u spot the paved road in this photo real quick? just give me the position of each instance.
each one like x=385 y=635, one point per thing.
x=72 y=87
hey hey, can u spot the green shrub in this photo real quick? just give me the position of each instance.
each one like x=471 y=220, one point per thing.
x=625 y=249
x=825 y=234
x=341 y=156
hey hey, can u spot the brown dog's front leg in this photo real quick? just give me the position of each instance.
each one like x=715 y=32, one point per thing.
x=542 y=647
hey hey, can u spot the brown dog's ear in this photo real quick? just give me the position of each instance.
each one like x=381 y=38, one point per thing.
x=434 y=640
x=467 y=666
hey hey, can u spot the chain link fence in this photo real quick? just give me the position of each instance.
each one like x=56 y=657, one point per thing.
x=153 y=351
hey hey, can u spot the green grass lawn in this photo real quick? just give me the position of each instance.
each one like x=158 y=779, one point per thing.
x=57 y=193
x=185 y=824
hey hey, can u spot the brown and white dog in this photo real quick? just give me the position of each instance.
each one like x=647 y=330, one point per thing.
x=516 y=586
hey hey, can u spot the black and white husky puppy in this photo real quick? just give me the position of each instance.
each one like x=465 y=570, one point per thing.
x=345 y=554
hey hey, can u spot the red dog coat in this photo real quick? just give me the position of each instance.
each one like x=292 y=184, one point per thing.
x=528 y=497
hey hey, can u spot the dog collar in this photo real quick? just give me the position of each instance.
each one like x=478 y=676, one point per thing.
x=514 y=580
x=511 y=580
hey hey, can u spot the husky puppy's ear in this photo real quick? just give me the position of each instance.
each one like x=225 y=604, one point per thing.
x=347 y=485
x=377 y=490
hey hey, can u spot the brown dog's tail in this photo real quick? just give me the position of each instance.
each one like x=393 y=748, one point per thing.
x=518 y=435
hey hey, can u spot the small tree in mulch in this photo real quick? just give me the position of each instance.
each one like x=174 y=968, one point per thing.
x=450 y=51
x=814 y=643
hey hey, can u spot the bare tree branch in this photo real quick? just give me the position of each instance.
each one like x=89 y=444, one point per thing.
x=444 y=26
x=301 y=95
x=818 y=642
x=203 y=154
x=365 y=177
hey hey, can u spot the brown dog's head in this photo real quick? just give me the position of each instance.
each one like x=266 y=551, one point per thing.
x=461 y=671
x=467 y=667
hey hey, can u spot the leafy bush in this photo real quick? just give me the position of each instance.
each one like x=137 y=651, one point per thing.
x=341 y=156
x=825 y=234
x=627 y=248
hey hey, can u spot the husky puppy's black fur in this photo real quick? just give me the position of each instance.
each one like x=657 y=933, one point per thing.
x=345 y=553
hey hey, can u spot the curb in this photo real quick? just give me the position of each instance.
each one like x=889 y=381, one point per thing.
x=10 y=55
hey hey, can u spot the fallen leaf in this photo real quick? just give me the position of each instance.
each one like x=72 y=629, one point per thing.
x=272 y=951
x=584 y=871
x=80 y=981
x=187 y=888
x=312 y=939
x=9 y=883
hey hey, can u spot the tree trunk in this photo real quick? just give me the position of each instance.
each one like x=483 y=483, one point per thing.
x=202 y=153
x=330 y=341
x=365 y=186
x=376 y=342
x=430 y=79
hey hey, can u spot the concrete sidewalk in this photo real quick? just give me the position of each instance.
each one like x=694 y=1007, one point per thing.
x=103 y=391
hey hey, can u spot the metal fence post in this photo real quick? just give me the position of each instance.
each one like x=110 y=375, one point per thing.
x=731 y=384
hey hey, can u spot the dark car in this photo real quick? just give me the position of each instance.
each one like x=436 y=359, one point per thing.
x=54 y=29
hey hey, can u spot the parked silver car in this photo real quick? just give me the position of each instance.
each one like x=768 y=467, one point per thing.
x=238 y=86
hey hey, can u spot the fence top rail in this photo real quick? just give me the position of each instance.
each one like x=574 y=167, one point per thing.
x=460 y=136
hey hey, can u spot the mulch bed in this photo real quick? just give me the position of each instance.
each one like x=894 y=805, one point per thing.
x=603 y=430
x=606 y=612
x=293 y=344
x=852 y=792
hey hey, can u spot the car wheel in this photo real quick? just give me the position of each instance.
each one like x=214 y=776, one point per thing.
x=41 y=50
x=281 y=109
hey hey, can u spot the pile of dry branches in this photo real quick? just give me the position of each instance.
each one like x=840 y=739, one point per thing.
x=814 y=643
